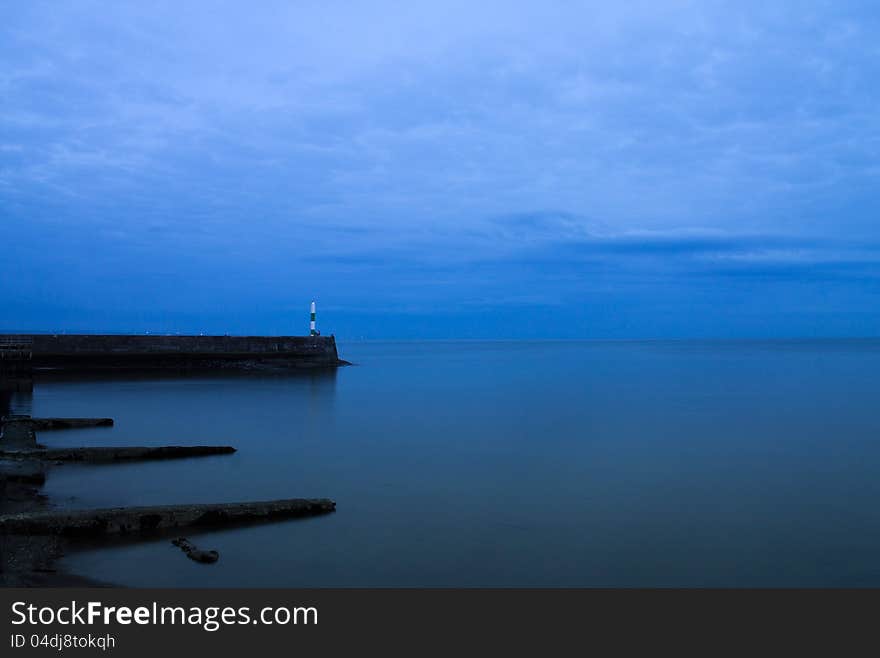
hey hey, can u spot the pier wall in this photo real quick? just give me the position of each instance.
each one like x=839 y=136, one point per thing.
x=157 y=351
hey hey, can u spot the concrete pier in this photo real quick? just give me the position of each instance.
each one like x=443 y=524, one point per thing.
x=84 y=352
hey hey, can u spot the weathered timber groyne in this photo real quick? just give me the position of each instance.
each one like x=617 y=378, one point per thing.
x=106 y=454
x=32 y=537
x=18 y=442
x=43 y=424
x=95 y=352
x=133 y=520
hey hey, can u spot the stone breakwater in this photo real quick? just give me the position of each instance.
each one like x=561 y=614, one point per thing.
x=80 y=352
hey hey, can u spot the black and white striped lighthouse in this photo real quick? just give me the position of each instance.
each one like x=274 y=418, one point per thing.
x=312 y=330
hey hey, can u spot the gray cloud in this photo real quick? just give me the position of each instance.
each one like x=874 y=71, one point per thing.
x=659 y=114
x=433 y=154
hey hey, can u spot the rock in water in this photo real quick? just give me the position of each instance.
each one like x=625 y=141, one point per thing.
x=194 y=553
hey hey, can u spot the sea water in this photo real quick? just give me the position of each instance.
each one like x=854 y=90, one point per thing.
x=595 y=463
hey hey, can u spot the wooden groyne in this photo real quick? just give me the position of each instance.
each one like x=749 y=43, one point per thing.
x=102 y=454
x=43 y=424
x=32 y=537
x=133 y=520
x=19 y=443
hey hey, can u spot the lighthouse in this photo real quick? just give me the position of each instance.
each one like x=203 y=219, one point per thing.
x=312 y=330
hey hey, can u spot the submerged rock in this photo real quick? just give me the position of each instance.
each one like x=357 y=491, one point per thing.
x=193 y=552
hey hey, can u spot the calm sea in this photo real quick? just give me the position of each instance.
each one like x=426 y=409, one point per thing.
x=507 y=464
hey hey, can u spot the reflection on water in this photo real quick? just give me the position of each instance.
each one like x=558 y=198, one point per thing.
x=502 y=464
x=16 y=395
x=249 y=410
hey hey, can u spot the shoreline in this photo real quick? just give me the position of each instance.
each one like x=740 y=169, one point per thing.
x=28 y=560
x=32 y=560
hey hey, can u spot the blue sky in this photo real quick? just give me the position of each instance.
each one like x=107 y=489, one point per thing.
x=445 y=169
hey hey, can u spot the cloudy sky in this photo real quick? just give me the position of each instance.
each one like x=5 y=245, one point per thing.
x=442 y=169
